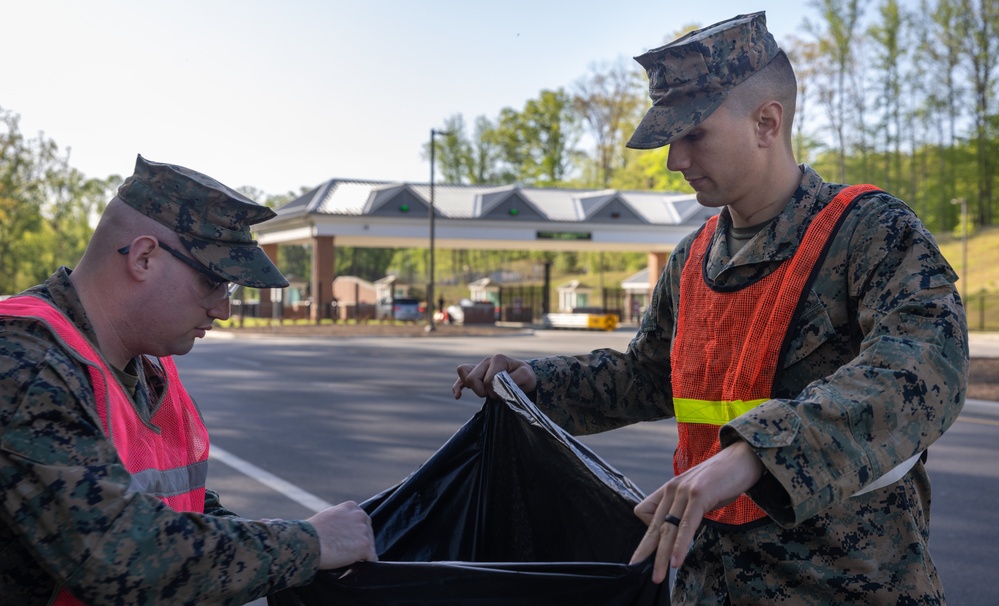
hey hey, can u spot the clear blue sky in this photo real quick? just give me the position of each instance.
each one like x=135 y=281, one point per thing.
x=279 y=95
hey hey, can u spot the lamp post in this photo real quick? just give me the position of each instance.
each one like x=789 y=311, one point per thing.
x=964 y=247
x=430 y=284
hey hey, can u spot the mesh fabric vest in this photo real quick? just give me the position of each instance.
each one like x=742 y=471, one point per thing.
x=167 y=457
x=730 y=342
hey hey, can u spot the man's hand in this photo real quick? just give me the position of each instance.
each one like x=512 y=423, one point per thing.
x=479 y=378
x=345 y=536
x=686 y=498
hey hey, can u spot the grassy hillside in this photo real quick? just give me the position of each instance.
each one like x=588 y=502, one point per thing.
x=982 y=273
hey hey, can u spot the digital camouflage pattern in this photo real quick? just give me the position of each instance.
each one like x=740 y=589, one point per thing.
x=876 y=373
x=67 y=517
x=689 y=77
x=212 y=220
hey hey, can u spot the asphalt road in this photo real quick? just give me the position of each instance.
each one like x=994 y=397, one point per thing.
x=299 y=423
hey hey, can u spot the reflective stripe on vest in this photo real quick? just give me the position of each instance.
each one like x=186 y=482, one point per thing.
x=168 y=457
x=729 y=343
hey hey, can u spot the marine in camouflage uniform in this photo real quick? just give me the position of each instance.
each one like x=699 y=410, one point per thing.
x=134 y=548
x=875 y=373
x=68 y=517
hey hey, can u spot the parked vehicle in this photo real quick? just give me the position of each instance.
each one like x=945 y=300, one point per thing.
x=405 y=309
x=454 y=314
x=472 y=312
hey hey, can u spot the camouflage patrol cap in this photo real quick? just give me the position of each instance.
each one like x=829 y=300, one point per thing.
x=212 y=220
x=690 y=77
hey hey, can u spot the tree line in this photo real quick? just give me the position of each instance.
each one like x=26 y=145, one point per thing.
x=898 y=93
x=46 y=206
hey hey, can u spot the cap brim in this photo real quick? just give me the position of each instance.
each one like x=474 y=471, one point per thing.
x=244 y=264
x=662 y=125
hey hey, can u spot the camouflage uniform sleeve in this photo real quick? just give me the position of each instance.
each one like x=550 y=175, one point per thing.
x=904 y=386
x=606 y=389
x=214 y=506
x=66 y=499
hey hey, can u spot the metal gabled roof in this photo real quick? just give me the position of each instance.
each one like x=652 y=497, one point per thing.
x=602 y=204
x=362 y=197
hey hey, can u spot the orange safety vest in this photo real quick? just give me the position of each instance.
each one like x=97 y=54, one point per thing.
x=730 y=343
x=168 y=456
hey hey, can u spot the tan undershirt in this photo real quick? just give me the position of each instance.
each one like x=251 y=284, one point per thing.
x=737 y=237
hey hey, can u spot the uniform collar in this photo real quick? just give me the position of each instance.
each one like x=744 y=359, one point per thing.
x=776 y=241
x=147 y=393
x=59 y=290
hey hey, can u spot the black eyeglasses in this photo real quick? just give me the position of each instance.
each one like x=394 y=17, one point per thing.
x=211 y=288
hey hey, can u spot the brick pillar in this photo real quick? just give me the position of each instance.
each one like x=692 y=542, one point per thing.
x=266 y=309
x=657 y=262
x=322 y=277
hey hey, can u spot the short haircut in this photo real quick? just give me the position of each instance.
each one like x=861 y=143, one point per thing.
x=775 y=82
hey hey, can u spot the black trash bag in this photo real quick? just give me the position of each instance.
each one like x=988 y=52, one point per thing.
x=512 y=510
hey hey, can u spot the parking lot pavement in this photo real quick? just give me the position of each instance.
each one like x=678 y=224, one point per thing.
x=344 y=418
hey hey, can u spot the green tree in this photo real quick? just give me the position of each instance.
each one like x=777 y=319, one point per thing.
x=646 y=170
x=453 y=153
x=536 y=146
x=475 y=158
x=295 y=260
x=978 y=27
x=610 y=100
x=808 y=63
x=509 y=136
x=368 y=263
x=46 y=207
x=888 y=36
x=485 y=153
x=838 y=41
x=553 y=126
x=21 y=198
x=942 y=48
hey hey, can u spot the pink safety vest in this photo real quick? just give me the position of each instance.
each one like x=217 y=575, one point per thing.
x=169 y=461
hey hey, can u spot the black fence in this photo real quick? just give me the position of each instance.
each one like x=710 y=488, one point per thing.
x=614 y=303
x=983 y=311
x=521 y=303
x=527 y=303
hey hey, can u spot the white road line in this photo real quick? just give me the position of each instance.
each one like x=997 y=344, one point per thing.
x=302 y=497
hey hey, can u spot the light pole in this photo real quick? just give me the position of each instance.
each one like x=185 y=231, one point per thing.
x=430 y=284
x=964 y=247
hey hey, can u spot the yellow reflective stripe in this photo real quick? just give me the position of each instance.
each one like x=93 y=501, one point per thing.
x=706 y=412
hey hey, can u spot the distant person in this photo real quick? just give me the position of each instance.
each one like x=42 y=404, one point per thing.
x=103 y=454
x=808 y=340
